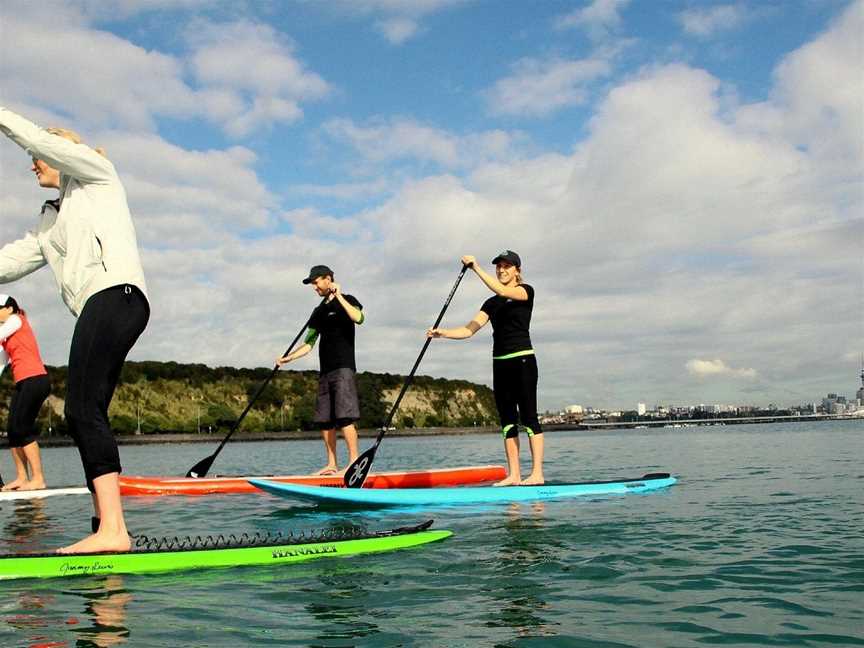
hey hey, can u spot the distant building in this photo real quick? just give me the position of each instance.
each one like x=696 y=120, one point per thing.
x=837 y=408
x=641 y=409
x=574 y=414
x=859 y=395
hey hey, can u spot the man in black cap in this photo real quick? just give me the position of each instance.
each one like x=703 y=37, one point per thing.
x=338 y=405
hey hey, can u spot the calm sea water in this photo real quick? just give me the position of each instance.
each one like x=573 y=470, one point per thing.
x=760 y=544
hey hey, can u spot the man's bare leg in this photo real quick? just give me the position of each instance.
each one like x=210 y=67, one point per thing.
x=332 y=467
x=349 y=432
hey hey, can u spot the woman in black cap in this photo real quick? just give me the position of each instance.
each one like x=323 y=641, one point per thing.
x=514 y=367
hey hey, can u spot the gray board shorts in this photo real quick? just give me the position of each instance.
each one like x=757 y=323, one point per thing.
x=338 y=405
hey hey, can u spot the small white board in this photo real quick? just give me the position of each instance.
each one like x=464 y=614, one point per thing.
x=6 y=496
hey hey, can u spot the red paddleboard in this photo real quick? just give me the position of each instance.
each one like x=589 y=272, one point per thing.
x=136 y=485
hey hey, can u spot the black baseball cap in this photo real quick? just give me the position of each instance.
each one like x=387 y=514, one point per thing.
x=510 y=257
x=317 y=271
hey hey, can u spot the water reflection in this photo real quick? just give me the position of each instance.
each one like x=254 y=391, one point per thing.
x=28 y=616
x=37 y=619
x=521 y=590
x=27 y=525
x=105 y=607
x=341 y=604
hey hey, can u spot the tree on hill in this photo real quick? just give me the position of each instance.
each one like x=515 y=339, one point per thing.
x=176 y=397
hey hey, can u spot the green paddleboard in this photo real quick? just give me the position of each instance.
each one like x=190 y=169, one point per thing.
x=17 y=566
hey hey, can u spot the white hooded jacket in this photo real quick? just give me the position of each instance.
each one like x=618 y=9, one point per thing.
x=90 y=242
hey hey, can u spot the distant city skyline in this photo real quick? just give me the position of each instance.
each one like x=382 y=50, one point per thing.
x=641 y=408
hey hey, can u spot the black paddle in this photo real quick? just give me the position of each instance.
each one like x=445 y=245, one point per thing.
x=200 y=469
x=357 y=472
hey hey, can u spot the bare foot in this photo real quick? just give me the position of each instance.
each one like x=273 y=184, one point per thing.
x=512 y=480
x=33 y=485
x=533 y=480
x=327 y=470
x=13 y=485
x=99 y=542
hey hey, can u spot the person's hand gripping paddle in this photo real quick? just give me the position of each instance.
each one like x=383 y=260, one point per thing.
x=356 y=473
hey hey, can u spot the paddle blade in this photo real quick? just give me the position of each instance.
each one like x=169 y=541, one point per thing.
x=201 y=468
x=357 y=472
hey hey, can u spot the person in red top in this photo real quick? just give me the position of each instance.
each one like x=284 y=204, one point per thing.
x=19 y=348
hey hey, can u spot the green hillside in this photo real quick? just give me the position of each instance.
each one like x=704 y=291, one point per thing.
x=172 y=397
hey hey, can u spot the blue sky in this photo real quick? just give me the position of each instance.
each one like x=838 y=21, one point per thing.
x=682 y=179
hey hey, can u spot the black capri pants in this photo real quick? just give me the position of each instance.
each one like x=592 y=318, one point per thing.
x=24 y=407
x=514 y=382
x=107 y=328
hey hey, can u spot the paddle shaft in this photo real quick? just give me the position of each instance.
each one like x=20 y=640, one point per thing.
x=200 y=469
x=359 y=468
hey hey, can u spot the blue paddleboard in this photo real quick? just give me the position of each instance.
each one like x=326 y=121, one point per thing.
x=462 y=494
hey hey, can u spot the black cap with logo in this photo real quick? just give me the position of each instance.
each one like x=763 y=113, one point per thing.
x=317 y=271
x=510 y=257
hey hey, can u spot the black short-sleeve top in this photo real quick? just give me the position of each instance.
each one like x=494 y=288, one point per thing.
x=336 y=329
x=510 y=320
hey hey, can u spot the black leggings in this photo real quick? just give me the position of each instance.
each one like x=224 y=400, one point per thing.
x=106 y=330
x=515 y=384
x=26 y=402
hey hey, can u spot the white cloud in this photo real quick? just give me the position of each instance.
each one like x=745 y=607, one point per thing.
x=105 y=80
x=541 y=87
x=122 y=9
x=705 y=22
x=542 y=179
x=401 y=138
x=715 y=368
x=246 y=75
x=253 y=72
x=208 y=192
x=342 y=190
x=399 y=19
x=684 y=227
x=398 y=30
x=310 y=223
x=599 y=19
x=677 y=225
x=817 y=101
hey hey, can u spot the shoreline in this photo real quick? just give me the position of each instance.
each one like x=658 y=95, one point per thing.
x=366 y=433
x=296 y=435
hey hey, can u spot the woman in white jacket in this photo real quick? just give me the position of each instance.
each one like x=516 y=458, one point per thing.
x=88 y=240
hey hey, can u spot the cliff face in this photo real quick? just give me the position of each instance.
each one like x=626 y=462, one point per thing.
x=172 y=397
